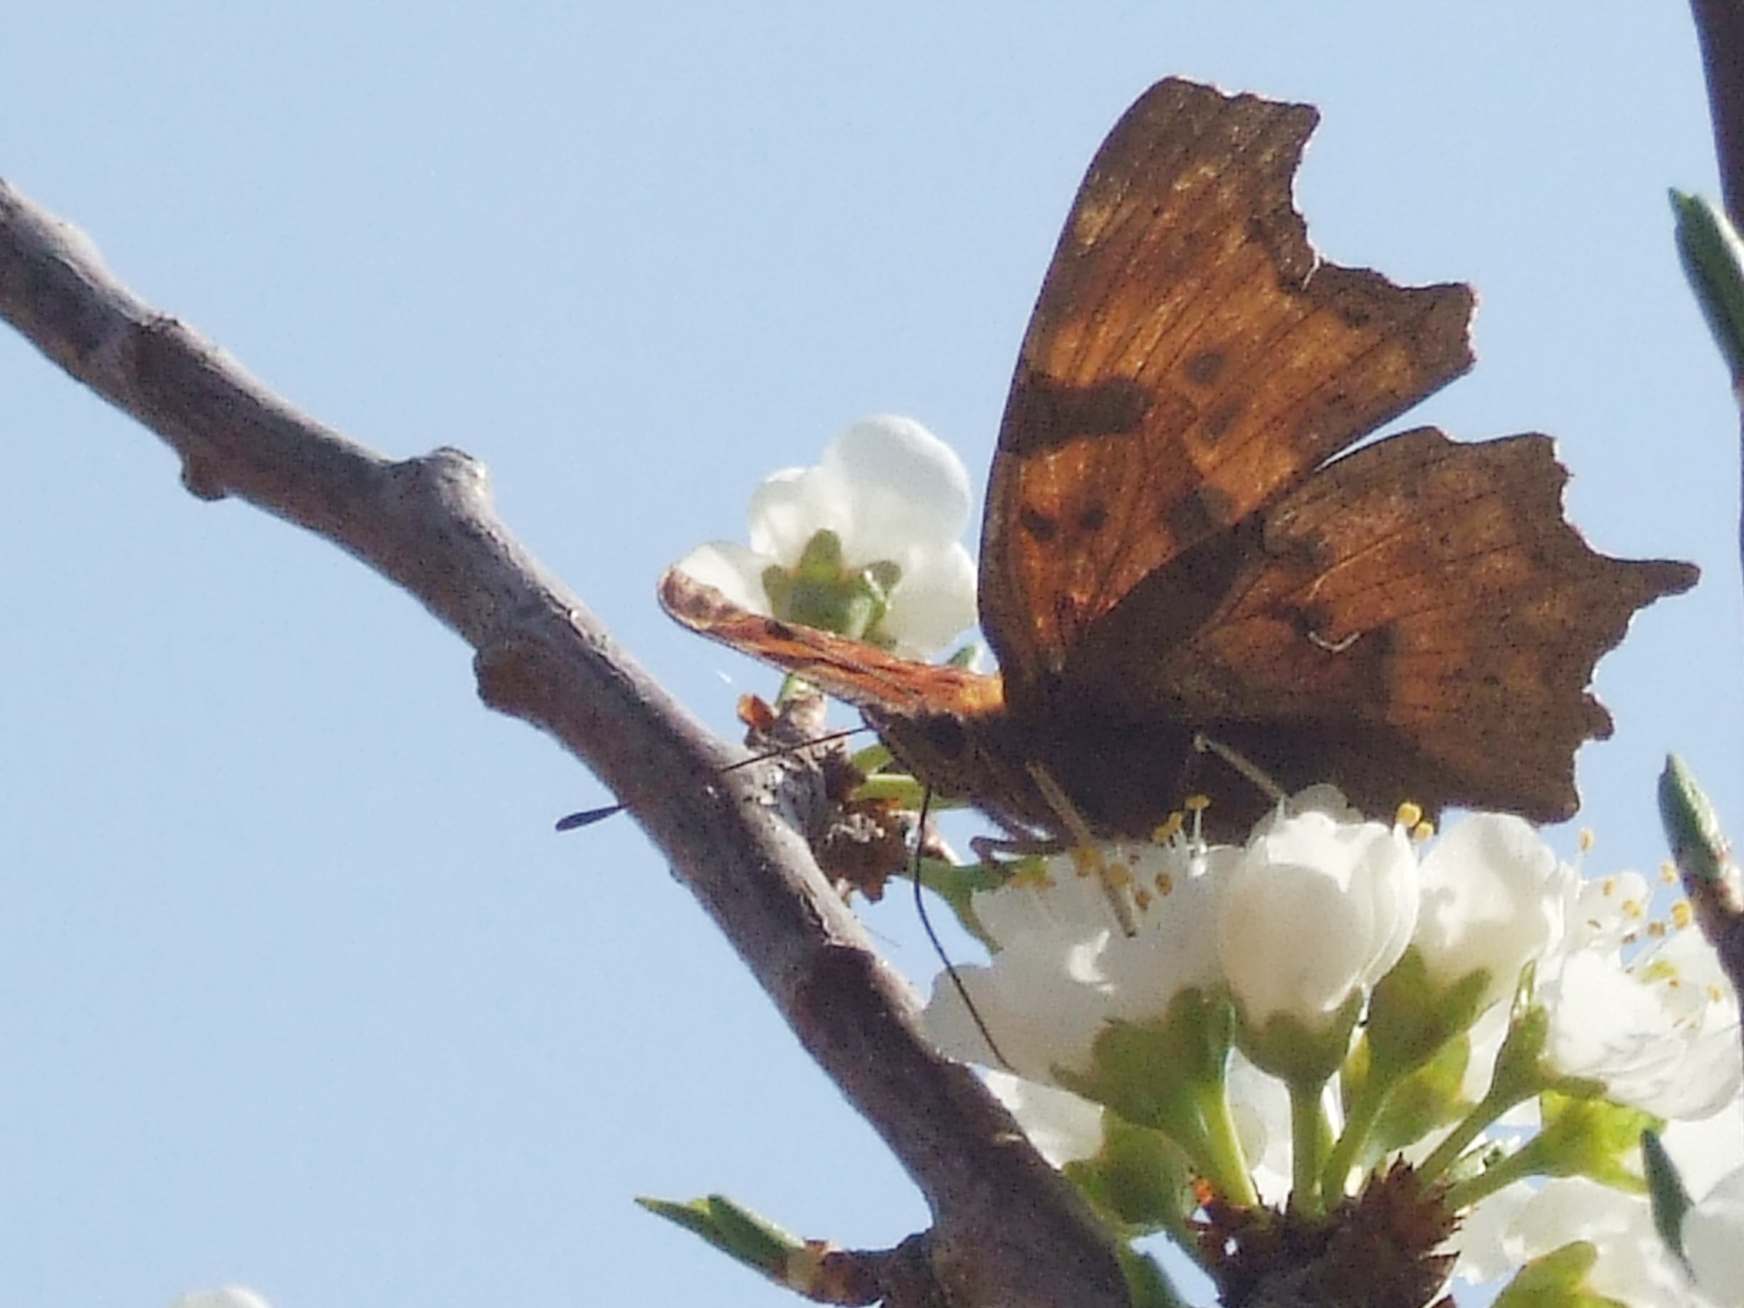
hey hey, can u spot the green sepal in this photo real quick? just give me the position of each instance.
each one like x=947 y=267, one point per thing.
x=1666 y=1193
x=818 y=592
x=1411 y=1018
x=736 y=1231
x=958 y=884
x=1294 y=1053
x=1150 y=1072
x=1713 y=261
x=1556 y=1280
x=1147 y=1285
x=1140 y=1180
x=1585 y=1137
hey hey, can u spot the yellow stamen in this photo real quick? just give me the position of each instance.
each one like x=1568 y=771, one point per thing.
x=1633 y=908
x=1141 y=897
x=1165 y=883
x=1668 y=872
x=1197 y=803
x=1422 y=831
x=1169 y=829
x=1656 y=930
x=1408 y=815
x=1586 y=840
x=1086 y=860
x=1682 y=914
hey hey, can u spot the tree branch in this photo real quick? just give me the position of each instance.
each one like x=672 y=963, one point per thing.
x=1720 y=29
x=1008 y=1230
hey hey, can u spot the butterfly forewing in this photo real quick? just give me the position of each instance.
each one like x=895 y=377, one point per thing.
x=1188 y=360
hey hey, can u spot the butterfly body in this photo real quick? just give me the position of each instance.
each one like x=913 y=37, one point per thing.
x=1179 y=538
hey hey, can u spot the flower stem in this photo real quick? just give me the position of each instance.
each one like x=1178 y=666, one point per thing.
x=1477 y=1188
x=1471 y=1126
x=1224 y=1163
x=1364 y=1112
x=1308 y=1134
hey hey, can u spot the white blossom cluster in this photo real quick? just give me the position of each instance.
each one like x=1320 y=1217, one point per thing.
x=1298 y=928
x=1471 y=1003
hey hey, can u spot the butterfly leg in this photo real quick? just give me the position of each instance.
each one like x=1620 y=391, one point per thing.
x=1243 y=765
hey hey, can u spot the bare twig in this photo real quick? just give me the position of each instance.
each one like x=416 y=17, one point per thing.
x=1720 y=31
x=1705 y=863
x=1008 y=1230
x=1720 y=28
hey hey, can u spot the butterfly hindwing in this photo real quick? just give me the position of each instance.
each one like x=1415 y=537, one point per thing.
x=1422 y=614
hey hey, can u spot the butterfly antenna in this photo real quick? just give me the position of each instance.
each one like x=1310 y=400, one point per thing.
x=588 y=816
x=926 y=802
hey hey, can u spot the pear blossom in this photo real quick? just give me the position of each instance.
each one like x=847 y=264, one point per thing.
x=228 y=1296
x=1660 y=1031
x=1064 y=1127
x=1064 y=970
x=1495 y=897
x=1302 y=923
x=1633 y=1265
x=1705 y=1149
x=1315 y=910
x=895 y=499
x=1713 y=1240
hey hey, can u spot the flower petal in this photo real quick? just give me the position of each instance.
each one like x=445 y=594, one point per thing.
x=731 y=569
x=903 y=484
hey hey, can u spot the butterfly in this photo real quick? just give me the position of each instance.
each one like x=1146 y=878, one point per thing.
x=1177 y=545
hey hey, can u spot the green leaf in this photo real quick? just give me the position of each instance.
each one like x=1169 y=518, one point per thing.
x=1666 y=1193
x=1556 y=1280
x=1713 y=261
x=736 y=1231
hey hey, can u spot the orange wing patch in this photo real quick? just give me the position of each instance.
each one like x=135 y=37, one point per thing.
x=851 y=670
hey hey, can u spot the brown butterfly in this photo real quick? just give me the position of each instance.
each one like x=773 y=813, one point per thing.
x=1171 y=547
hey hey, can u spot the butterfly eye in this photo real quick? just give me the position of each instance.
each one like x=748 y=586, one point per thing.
x=945 y=734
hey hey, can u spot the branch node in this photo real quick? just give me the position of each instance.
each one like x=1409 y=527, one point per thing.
x=514 y=677
x=202 y=479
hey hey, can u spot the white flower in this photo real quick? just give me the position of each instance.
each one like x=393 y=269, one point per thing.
x=1713 y=1240
x=892 y=493
x=1706 y=1149
x=1661 y=1033
x=229 y=1296
x=1494 y=898
x=1063 y=970
x=1063 y=1127
x=1633 y=1264
x=1314 y=910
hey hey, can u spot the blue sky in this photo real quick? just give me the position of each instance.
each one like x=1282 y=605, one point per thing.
x=296 y=985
